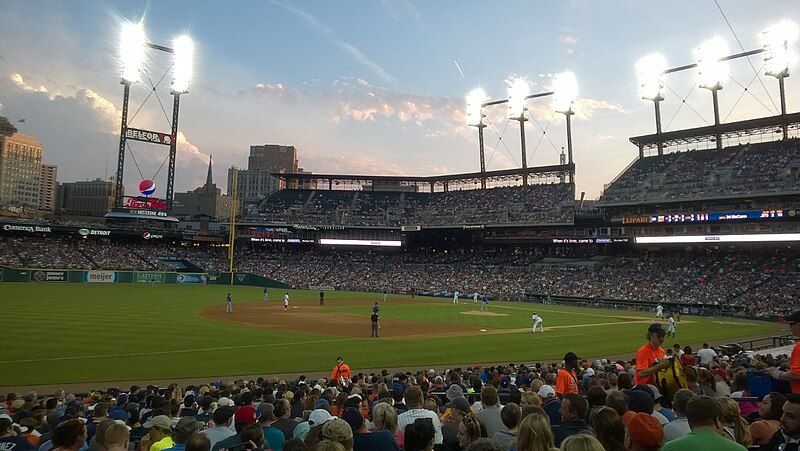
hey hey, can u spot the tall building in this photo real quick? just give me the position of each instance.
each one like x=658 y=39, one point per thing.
x=20 y=169
x=87 y=198
x=206 y=200
x=256 y=182
x=47 y=187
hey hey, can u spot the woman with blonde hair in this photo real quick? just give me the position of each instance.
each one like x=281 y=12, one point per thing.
x=534 y=434
x=470 y=430
x=329 y=445
x=606 y=424
x=530 y=398
x=733 y=424
x=581 y=442
x=384 y=417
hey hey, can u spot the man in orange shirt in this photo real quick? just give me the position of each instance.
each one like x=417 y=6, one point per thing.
x=341 y=372
x=793 y=375
x=566 y=379
x=650 y=357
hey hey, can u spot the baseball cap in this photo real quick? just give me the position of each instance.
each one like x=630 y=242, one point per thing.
x=319 y=417
x=118 y=414
x=320 y=403
x=188 y=425
x=301 y=430
x=225 y=402
x=453 y=392
x=546 y=391
x=121 y=423
x=656 y=328
x=646 y=389
x=353 y=417
x=460 y=404
x=640 y=401
x=159 y=421
x=337 y=430
x=656 y=393
x=570 y=356
x=589 y=371
x=645 y=430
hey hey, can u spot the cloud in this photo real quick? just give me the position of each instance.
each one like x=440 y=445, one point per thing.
x=586 y=107
x=21 y=84
x=350 y=164
x=567 y=39
x=316 y=24
x=274 y=91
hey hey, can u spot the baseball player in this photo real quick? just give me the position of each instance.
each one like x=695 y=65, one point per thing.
x=475 y=298
x=285 y=301
x=266 y=294
x=659 y=311
x=671 y=326
x=455 y=297
x=228 y=304
x=485 y=303
x=537 y=322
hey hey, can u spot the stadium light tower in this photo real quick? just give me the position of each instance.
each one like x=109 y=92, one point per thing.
x=565 y=91
x=475 y=100
x=518 y=92
x=712 y=72
x=650 y=70
x=779 y=56
x=133 y=45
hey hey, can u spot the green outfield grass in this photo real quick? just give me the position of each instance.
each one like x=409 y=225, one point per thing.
x=62 y=333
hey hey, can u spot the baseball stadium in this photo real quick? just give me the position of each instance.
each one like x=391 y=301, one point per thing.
x=297 y=292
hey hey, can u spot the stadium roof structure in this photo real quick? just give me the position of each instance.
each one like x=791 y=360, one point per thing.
x=445 y=182
x=730 y=130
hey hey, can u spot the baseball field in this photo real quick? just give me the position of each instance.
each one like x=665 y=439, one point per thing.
x=57 y=333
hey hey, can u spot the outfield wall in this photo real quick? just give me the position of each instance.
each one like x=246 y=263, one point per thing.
x=8 y=274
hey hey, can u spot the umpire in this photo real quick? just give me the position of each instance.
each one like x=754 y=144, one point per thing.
x=374 y=319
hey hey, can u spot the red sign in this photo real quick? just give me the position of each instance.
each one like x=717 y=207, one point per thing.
x=146 y=203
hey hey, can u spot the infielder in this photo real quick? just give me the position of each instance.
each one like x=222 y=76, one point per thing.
x=485 y=303
x=659 y=311
x=228 y=304
x=455 y=297
x=537 y=322
x=475 y=298
x=671 y=326
x=266 y=294
x=285 y=301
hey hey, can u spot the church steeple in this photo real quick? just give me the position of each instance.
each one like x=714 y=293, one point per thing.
x=209 y=178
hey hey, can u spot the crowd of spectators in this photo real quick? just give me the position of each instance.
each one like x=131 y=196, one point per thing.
x=574 y=404
x=760 y=284
x=532 y=204
x=744 y=169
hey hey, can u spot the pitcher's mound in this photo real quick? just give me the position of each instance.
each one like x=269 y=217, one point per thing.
x=483 y=313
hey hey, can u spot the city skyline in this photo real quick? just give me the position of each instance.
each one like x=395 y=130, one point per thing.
x=374 y=88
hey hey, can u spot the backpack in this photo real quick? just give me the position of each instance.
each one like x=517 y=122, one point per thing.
x=673 y=378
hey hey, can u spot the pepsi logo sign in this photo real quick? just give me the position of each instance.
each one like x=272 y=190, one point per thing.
x=147 y=187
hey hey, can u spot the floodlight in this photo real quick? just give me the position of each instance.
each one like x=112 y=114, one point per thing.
x=517 y=93
x=712 y=70
x=650 y=70
x=183 y=47
x=475 y=100
x=565 y=91
x=779 y=51
x=132 y=47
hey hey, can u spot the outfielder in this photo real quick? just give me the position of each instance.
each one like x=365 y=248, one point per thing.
x=285 y=301
x=537 y=322
x=671 y=326
x=266 y=294
x=659 y=311
x=475 y=298
x=455 y=297
x=228 y=304
x=485 y=303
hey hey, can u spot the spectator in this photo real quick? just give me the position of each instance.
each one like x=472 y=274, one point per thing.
x=680 y=427
x=363 y=440
x=535 y=434
x=9 y=440
x=198 y=442
x=703 y=414
x=341 y=372
x=159 y=436
x=788 y=437
x=566 y=379
x=770 y=411
x=732 y=422
x=489 y=416
x=384 y=417
x=272 y=436
x=581 y=442
x=606 y=424
x=183 y=430
x=252 y=437
x=551 y=404
x=644 y=433
x=283 y=422
x=116 y=438
x=458 y=409
x=339 y=431
x=328 y=445
x=511 y=416
x=470 y=430
x=793 y=375
x=68 y=436
x=99 y=413
x=419 y=435
x=706 y=355
x=414 y=400
x=223 y=426
x=246 y=413
x=573 y=412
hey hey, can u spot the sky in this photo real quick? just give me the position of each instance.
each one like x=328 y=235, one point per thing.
x=373 y=87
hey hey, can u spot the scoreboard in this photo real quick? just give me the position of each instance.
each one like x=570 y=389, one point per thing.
x=715 y=216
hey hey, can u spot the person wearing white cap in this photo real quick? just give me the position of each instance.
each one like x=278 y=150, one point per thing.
x=455 y=297
x=550 y=403
x=537 y=322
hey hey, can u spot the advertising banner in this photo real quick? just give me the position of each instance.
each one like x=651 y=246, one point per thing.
x=101 y=276
x=49 y=276
x=150 y=277
x=191 y=278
